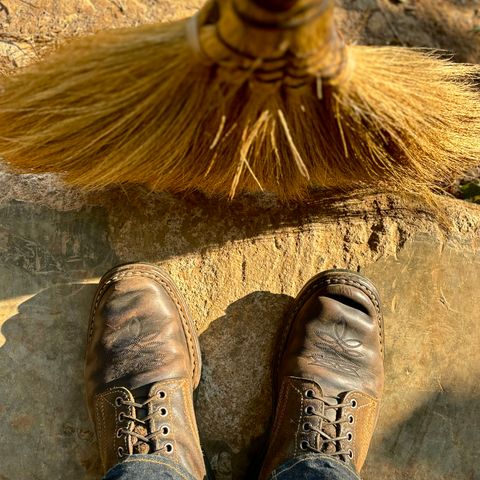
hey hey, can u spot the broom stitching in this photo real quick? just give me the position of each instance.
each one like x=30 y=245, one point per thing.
x=288 y=68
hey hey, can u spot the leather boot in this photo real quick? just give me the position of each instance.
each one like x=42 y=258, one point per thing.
x=142 y=365
x=329 y=373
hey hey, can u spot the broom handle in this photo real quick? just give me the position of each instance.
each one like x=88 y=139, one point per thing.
x=278 y=6
x=284 y=9
x=284 y=14
x=275 y=5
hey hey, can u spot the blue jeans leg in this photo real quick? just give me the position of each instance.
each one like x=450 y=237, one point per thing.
x=147 y=467
x=314 y=467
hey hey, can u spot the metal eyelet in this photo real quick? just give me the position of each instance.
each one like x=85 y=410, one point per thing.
x=304 y=445
x=121 y=416
x=309 y=410
x=119 y=401
x=162 y=394
x=165 y=430
x=350 y=419
x=349 y=436
x=168 y=447
x=309 y=393
x=120 y=451
x=350 y=453
x=163 y=412
x=119 y=433
x=354 y=403
x=307 y=426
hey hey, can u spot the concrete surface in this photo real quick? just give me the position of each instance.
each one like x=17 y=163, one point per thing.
x=238 y=265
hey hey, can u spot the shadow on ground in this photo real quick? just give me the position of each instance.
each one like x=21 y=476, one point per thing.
x=434 y=442
x=41 y=247
x=42 y=395
x=160 y=226
x=234 y=398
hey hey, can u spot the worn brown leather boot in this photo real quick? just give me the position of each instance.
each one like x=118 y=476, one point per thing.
x=142 y=365
x=329 y=373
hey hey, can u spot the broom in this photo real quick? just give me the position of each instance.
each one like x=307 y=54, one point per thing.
x=247 y=95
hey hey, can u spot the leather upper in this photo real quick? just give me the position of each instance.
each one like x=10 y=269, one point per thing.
x=337 y=340
x=330 y=373
x=141 y=339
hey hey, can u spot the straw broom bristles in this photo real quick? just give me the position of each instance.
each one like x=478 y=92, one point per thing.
x=140 y=106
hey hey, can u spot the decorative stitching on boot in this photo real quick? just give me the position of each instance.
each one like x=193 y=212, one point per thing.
x=183 y=315
x=302 y=402
x=338 y=280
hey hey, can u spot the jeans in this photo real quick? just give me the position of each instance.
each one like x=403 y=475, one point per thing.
x=309 y=467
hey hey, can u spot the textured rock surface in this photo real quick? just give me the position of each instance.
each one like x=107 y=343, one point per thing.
x=238 y=265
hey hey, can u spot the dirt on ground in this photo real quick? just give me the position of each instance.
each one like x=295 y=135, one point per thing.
x=29 y=28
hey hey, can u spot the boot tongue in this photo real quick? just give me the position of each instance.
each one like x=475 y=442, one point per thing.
x=140 y=395
x=328 y=428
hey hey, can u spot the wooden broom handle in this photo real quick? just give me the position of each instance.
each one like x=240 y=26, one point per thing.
x=278 y=6
x=283 y=14
x=275 y=5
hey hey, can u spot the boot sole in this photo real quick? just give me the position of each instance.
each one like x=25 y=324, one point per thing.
x=164 y=279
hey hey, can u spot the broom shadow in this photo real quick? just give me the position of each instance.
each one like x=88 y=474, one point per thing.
x=159 y=226
x=41 y=247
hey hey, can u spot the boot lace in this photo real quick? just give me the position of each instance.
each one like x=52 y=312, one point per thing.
x=142 y=439
x=328 y=431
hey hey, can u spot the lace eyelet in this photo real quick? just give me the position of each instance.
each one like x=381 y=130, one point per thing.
x=350 y=453
x=350 y=419
x=304 y=445
x=354 y=403
x=119 y=401
x=309 y=393
x=163 y=412
x=161 y=394
x=121 y=416
x=165 y=430
x=120 y=452
x=307 y=426
x=119 y=433
x=349 y=436
x=309 y=410
x=168 y=447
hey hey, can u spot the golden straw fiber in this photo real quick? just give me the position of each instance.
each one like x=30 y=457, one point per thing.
x=247 y=95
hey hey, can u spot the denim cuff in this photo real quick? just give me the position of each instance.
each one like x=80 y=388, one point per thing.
x=314 y=467
x=147 y=467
